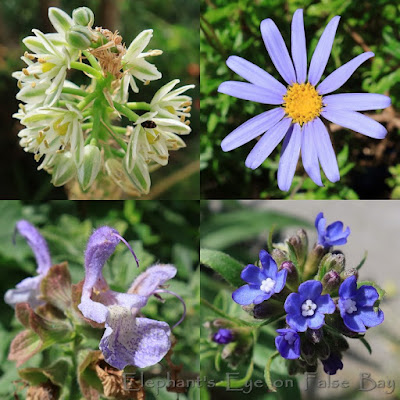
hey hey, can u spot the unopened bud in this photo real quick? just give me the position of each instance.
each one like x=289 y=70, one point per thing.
x=64 y=169
x=331 y=281
x=90 y=167
x=279 y=256
x=292 y=279
x=313 y=260
x=223 y=336
x=267 y=309
x=322 y=350
x=314 y=335
x=83 y=16
x=79 y=37
x=299 y=243
x=308 y=352
x=349 y=272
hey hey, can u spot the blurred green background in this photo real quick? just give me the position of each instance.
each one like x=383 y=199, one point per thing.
x=369 y=168
x=159 y=231
x=176 y=26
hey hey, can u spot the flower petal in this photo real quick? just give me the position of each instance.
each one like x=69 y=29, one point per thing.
x=140 y=342
x=371 y=318
x=27 y=291
x=252 y=128
x=37 y=243
x=310 y=290
x=277 y=50
x=299 y=51
x=289 y=158
x=338 y=77
x=267 y=143
x=322 y=51
x=357 y=101
x=309 y=154
x=348 y=288
x=269 y=267
x=357 y=122
x=251 y=274
x=354 y=322
x=248 y=91
x=325 y=152
x=254 y=74
x=297 y=322
x=366 y=296
x=245 y=295
x=280 y=280
x=325 y=304
x=293 y=304
x=316 y=321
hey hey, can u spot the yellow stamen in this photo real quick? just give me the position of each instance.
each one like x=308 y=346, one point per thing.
x=25 y=71
x=33 y=85
x=302 y=103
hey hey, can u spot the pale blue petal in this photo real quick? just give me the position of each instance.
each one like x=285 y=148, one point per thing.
x=309 y=154
x=337 y=78
x=370 y=317
x=246 y=294
x=357 y=122
x=251 y=274
x=322 y=51
x=326 y=154
x=267 y=144
x=255 y=74
x=299 y=51
x=252 y=128
x=248 y=91
x=268 y=264
x=357 y=101
x=289 y=157
x=277 y=50
x=310 y=290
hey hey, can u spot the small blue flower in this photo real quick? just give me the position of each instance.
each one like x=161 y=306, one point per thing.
x=223 y=336
x=262 y=282
x=333 y=235
x=332 y=364
x=288 y=343
x=306 y=308
x=357 y=305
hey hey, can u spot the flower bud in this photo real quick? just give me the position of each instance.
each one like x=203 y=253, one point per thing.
x=308 y=352
x=267 y=309
x=90 y=167
x=279 y=256
x=322 y=350
x=223 y=336
x=331 y=281
x=140 y=176
x=292 y=280
x=315 y=335
x=79 y=37
x=299 y=243
x=313 y=260
x=83 y=16
x=60 y=20
x=349 y=272
x=64 y=169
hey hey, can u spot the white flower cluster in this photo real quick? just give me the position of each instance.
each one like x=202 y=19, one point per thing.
x=75 y=131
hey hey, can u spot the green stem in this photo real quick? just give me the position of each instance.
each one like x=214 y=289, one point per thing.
x=76 y=92
x=87 y=125
x=118 y=129
x=126 y=111
x=92 y=59
x=267 y=372
x=87 y=100
x=119 y=141
x=139 y=105
x=86 y=68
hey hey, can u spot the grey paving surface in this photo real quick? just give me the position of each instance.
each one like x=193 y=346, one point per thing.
x=375 y=227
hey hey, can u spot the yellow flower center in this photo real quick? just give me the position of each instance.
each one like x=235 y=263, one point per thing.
x=302 y=102
x=60 y=129
x=47 y=66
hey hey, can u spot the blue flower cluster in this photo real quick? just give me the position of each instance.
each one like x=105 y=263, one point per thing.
x=351 y=308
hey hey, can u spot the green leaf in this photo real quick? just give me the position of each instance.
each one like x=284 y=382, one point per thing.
x=362 y=261
x=238 y=383
x=226 y=266
x=366 y=344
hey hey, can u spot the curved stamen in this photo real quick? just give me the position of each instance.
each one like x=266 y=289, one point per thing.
x=180 y=299
x=128 y=246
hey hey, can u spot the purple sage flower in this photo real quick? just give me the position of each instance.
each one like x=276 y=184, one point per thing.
x=307 y=308
x=300 y=104
x=28 y=289
x=331 y=235
x=223 y=336
x=128 y=339
x=357 y=305
x=288 y=343
x=332 y=364
x=262 y=282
